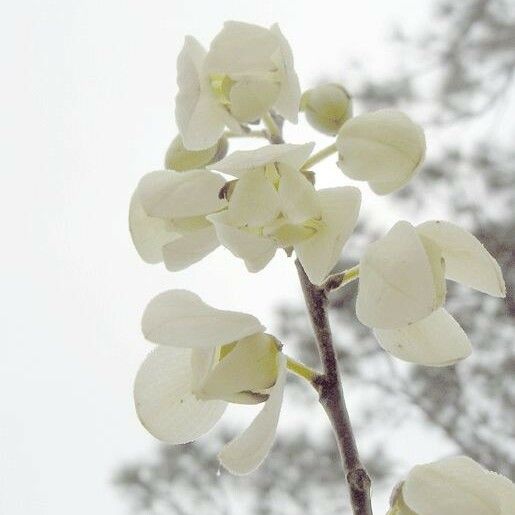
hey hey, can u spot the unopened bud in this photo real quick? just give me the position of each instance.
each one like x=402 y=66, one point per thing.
x=180 y=159
x=327 y=107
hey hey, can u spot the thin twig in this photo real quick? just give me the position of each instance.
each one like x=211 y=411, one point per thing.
x=330 y=391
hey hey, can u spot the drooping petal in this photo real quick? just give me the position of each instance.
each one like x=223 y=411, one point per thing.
x=199 y=118
x=246 y=452
x=437 y=341
x=189 y=248
x=454 y=485
x=250 y=366
x=180 y=318
x=254 y=249
x=466 y=259
x=164 y=402
x=168 y=194
x=288 y=100
x=202 y=361
x=238 y=163
x=320 y=253
x=384 y=147
x=254 y=201
x=299 y=199
x=437 y=263
x=149 y=234
x=396 y=284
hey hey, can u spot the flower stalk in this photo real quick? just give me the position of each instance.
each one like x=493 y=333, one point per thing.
x=319 y=156
x=336 y=281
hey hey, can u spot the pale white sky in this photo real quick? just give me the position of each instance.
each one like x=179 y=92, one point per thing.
x=87 y=94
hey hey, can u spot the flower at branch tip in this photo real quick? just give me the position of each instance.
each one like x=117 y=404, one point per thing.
x=180 y=159
x=454 y=486
x=273 y=205
x=402 y=289
x=326 y=107
x=207 y=358
x=247 y=71
x=167 y=216
x=384 y=148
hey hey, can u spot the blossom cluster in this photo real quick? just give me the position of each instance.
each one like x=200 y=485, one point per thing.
x=254 y=202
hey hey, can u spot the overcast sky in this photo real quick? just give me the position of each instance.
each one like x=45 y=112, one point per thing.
x=88 y=91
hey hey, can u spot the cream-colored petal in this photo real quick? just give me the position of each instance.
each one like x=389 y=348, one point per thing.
x=202 y=361
x=246 y=452
x=466 y=259
x=190 y=248
x=149 y=234
x=320 y=253
x=250 y=366
x=254 y=201
x=239 y=162
x=251 y=98
x=164 y=402
x=437 y=263
x=288 y=100
x=168 y=194
x=384 y=147
x=457 y=486
x=254 y=249
x=181 y=319
x=437 y=341
x=396 y=284
x=299 y=199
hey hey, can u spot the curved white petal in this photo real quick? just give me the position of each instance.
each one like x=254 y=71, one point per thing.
x=320 y=253
x=251 y=98
x=254 y=249
x=239 y=162
x=149 y=234
x=384 y=147
x=202 y=361
x=169 y=194
x=189 y=248
x=164 y=402
x=454 y=485
x=437 y=341
x=288 y=100
x=254 y=201
x=250 y=366
x=396 y=285
x=466 y=259
x=299 y=199
x=180 y=318
x=246 y=452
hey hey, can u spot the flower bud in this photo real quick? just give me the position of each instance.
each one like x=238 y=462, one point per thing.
x=179 y=158
x=327 y=107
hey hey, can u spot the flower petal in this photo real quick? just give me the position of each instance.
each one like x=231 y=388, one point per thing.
x=251 y=98
x=396 y=284
x=288 y=101
x=239 y=162
x=202 y=361
x=466 y=259
x=320 y=253
x=454 y=485
x=164 y=402
x=250 y=366
x=190 y=248
x=149 y=234
x=246 y=452
x=254 y=249
x=180 y=318
x=168 y=194
x=437 y=341
x=254 y=201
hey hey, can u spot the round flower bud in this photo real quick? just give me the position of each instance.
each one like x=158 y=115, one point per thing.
x=327 y=107
x=384 y=148
x=181 y=159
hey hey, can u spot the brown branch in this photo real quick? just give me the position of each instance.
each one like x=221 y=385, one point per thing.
x=329 y=387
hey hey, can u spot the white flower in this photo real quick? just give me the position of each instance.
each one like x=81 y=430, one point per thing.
x=402 y=289
x=206 y=358
x=326 y=107
x=273 y=205
x=181 y=159
x=247 y=71
x=167 y=216
x=457 y=486
x=384 y=148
